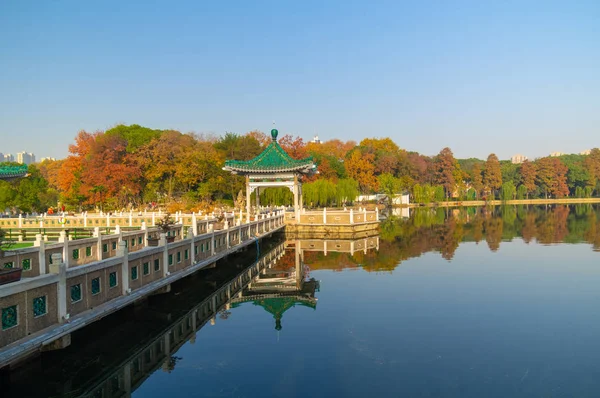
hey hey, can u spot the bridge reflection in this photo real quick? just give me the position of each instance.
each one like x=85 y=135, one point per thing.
x=114 y=357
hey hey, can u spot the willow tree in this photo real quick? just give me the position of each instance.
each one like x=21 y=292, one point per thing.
x=346 y=191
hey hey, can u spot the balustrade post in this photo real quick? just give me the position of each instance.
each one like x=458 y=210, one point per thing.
x=324 y=215
x=167 y=351
x=165 y=260
x=39 y=242
x=59 y=267
x=145 y=229
x=97 y=234
x=191 y=236
x=351 y=216
x=127 y=379
x=124 y=253
x=194 y=225
x=212 y=243
x=65 y=241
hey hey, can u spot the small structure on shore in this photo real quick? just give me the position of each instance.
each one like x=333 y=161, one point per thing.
x=273 y=168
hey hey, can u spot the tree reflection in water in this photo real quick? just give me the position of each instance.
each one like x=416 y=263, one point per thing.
x=442 y=230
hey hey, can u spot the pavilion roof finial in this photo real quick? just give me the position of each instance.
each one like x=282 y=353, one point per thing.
x=274 y=132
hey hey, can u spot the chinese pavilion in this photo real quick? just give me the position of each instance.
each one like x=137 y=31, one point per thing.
x=272 y=168
x=8 y=173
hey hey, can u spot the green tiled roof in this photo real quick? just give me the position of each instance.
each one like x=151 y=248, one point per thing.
x=7 y=172
x=272 y=159
x=277 y=306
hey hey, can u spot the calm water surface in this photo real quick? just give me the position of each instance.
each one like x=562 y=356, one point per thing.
x=464 y=303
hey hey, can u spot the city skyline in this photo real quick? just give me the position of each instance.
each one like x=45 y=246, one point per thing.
x=475 y=77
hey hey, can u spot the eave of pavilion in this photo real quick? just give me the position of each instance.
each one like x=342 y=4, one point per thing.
x=272 y=163
x=8 y=173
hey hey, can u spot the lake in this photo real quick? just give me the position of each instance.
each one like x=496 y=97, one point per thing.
x=497 y=302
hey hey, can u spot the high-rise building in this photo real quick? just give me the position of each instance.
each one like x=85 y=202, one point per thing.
x=516 y=159
x=49 y=159
x=316 y=140
x=9 y=158
x=556 y=154
x=25 y=158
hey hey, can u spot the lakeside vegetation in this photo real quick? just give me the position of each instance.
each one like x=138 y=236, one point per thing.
x=442 y=230
x=134 y=167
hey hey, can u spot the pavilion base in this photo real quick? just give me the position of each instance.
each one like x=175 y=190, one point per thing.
x=315 y=231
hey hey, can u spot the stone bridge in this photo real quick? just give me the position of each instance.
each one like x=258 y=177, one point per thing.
x=72 y=283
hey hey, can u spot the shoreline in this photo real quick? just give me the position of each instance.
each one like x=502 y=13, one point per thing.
x=480 y=203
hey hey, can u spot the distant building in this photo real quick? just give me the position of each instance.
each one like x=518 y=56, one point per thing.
x=586 y=152
x=556 y=154
x=48 y=159
x=25 y=158
x=9 y=158
x=518 y=158
x=1 y=157
x=316 y=140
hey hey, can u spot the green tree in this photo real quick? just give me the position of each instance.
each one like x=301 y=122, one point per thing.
x=135 y=135
x=508 y=191
x=346 y=191
x=388 y=185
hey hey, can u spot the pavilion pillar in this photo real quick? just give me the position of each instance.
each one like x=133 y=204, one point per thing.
x=297 y=215
x=298 y=258
x=247 y=198
x=257 y=190
x=301 y=199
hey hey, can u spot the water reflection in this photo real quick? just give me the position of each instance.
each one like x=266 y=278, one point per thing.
x=114 y=357
x=442 y=230
x=282 y=286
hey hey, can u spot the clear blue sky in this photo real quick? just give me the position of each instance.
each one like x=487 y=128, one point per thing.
x=478 y=76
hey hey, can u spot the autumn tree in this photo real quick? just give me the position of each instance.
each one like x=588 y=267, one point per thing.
x=592 y=164
x=492 y=175
x=295 y=147
x=109 y=172
x=476 y=179
x=528 y=177
x=446 y=170
x=360 y=167
x=69 y=176
x=260 y=137
x=552 y=177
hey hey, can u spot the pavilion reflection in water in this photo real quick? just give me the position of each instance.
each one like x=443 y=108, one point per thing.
x=278 y=281
x=287 y=284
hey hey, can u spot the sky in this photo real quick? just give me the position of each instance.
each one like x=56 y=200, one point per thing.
x=479 y=77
